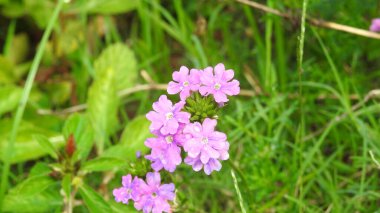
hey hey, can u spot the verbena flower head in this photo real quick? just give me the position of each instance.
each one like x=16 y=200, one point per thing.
x=205 y=146
x=127 y=191
x=166 y=152
x=217 y=82
x=154 y=197
x=184 y=82
x=375 y=26
x=166 y=118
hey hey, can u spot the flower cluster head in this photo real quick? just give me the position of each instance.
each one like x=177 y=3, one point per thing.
x=186 y=126
x=375 y=25
x=149 y=196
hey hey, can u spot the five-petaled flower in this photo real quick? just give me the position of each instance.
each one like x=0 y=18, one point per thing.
x=217 y=82
x=184 y=82
x=128 y=190
x=166 y=151
x=166 y=118
x=206 y=146
x=154 y=197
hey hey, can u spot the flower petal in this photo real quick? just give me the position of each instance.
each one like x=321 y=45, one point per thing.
x=173 y=88
x=208 y=126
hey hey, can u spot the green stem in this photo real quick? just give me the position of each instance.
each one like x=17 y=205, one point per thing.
x=24 y=99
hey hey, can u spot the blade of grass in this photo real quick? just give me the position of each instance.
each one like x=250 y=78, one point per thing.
x=9 y=38
x=301 y=127
x=24 y=99
x=241 y=202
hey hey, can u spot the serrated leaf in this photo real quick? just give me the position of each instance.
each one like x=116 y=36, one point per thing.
x=132 y=140
x=102 y=164
x=121 y=59
x=79 y=126
x=10 y=96
x=26 y=147
x=46 y=145
x=102 y=107
x=35 y=194
x=93 y=200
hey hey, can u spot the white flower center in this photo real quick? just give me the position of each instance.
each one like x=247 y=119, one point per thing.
x=169 y=116
x=129 y=191
x=185 y=84
x=217 y=86
x=204 y=140
x=169 y=139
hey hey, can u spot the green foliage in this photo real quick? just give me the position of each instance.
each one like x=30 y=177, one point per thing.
x=119 y=58
x=103 y=164
x=46 y=145
x=80 y=127
x=35 y=194
x=132 y=140
x=106 y=6
x=10 y=97
x=26 y=146
x=102 y=106
x=93 y=200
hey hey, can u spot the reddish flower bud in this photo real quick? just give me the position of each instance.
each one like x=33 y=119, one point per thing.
x=70 y=145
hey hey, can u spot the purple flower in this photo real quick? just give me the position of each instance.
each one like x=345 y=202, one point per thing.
x=184 y=82
x=166 y=118
x=153 y=196
x=220 y=84
x=206 y=146
x=375 y=26
x=166 y=152
x=127 y=191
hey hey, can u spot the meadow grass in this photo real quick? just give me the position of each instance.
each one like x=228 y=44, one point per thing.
x=300 y=145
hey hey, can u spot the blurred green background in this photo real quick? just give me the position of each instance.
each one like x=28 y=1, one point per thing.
x=301 y=143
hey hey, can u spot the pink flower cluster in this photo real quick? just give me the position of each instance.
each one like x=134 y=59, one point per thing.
x=204 y=147
x=375 y=25
x=149 y=196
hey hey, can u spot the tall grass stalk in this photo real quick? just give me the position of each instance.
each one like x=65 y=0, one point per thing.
x=24 y=99
x=301 y=130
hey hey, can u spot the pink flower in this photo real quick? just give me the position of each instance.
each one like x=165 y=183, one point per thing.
x=184 y=82
x=218 y=83
x=206 y=146
x=154 y=197
x=375 y=26
x=166 y=118
x=127 y=191
x=166 y=152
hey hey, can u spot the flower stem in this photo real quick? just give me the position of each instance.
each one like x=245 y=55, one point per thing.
x=24 y=99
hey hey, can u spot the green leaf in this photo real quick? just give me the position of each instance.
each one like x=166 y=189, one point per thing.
x=79 y=126
x=26 y=147
x=6 y=70
x=106 y=6
x=102 y=164
x=10 y=96
x=121 y=59
x=46 y=144
x=102 y=106
x=35 y=194
x=66 y=184
x=93 y=200
x=39 y=169
x=121 y=207
x=132 y=140
x=58 y=92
